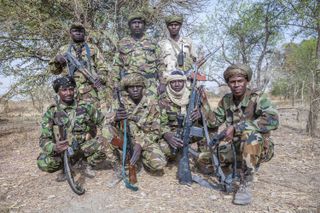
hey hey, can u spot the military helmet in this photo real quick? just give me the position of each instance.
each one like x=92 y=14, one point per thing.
x=133 y=79
x=238 y=69
x=63 y=82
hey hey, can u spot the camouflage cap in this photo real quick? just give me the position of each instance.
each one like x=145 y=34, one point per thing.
x=136 y=15
x=238 y=69
x=173 y=18
x=63 y=82
x=76 y=25
x=133 y=79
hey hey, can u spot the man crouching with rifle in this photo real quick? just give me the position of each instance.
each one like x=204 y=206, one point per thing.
x=174 y=104
x=76 y=120
x=133 y=125
x=250 y=117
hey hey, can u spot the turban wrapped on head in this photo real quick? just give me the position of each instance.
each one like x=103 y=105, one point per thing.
x=238 y=69
x=133 y=79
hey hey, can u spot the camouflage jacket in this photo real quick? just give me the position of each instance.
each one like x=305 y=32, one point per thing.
x=144 y=119
x=255 y=112
x=170 y=50
x=170 y=111
x=96 y=65
x=142 y=56
x=79 y=120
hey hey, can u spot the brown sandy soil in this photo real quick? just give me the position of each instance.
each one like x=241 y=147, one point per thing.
x=290 y=182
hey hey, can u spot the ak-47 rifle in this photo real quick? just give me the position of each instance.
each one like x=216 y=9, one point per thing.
x=190 y=73
x=184 y=173
x=119 y=142
x=76 y=187
x=74 y=65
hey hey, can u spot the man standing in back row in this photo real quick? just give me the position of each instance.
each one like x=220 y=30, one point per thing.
x=139 y=54
x=89 y=56
x=177 y=52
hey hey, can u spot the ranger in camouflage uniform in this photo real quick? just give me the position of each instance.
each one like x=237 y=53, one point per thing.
x=249 y=117
x=138 y=54
x=174 y=103
x=88 y=54
x=78 y=119
x=142 y=113
x=172 y=46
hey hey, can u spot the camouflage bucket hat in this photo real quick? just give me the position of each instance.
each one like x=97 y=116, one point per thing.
x=76 y=25
x=136 y=15
x=63 y=82
x=238 y=69
x=174 y=18
x=133 y=80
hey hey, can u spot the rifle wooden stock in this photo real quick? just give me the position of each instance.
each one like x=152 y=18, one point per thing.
x=118 y=143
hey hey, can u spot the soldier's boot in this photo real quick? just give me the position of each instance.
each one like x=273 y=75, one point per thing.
x=244 y=195
x=61 y=177
x=117 y=176
x=89 y=172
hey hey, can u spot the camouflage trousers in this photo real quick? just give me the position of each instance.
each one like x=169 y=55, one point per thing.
x=203 y=162
x=92 y=151
x=250 y=151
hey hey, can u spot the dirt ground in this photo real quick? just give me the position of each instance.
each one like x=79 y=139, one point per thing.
x=290 y=182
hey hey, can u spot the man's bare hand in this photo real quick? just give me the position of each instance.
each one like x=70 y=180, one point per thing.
x=61 y=60
x=60 y=146
x=229 y=133
x=173 y=141
x=121 y=114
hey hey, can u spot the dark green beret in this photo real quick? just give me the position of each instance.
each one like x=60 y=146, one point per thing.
x=174 y=18
x=63 y=82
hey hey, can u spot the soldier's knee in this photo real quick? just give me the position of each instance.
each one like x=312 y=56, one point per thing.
x=48 y=164
x=156 y=163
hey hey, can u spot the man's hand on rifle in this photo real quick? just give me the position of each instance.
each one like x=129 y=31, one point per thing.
x=172 y=140
x=61 y=60
x=195 y=115
x=121 y=114
x=137 y=149
x=229 y=133
x=161 y=88
x=60 y=146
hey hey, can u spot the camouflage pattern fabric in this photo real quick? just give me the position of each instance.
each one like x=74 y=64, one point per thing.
x=238 y=69
x=85 y=90
x=80 y=119
x=173 y=18
x=140 y=57
x=145 y=129
x=169 y=54
x=254 y=118
x=169 y=123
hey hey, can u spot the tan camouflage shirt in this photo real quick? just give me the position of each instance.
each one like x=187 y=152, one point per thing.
x=170 y=50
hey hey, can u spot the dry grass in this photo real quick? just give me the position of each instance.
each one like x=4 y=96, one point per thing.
x=290 y=182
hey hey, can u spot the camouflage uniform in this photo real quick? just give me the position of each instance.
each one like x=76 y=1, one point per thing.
x=94 y=62
x=142 y=57
x=253 y=119
x=169 y=123
x=144 y=125
x=79 y=119
x=171 y=48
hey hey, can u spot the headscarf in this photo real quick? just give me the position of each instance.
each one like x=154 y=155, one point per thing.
x=237 y=69
x=180 y=98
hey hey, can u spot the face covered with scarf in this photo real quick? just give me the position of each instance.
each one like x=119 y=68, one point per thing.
x=177 y=90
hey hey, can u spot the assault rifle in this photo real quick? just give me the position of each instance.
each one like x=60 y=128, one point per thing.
x=76 y=187
x=74 y=65
x=184 y=173
x=118 y=142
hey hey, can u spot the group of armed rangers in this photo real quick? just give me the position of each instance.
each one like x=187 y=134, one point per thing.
x=153 y=93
